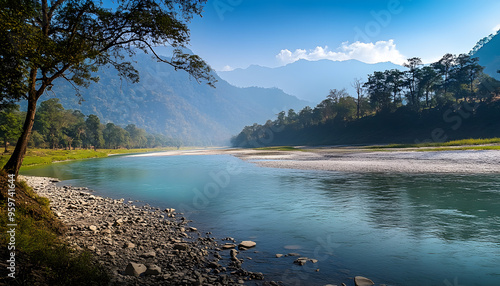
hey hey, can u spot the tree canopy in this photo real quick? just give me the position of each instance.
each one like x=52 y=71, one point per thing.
x=43 y=40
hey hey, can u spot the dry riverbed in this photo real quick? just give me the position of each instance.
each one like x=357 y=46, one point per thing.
x=353 y=159
x=143 y=245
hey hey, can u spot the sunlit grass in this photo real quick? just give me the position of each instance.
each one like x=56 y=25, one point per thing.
x=462 y=142
x=36 y=156
x=280 y=148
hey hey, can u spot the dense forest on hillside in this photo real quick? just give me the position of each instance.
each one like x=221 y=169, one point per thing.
x=57 y=128
x=449 y=99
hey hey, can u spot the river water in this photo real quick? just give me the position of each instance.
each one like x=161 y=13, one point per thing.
x=396 y=229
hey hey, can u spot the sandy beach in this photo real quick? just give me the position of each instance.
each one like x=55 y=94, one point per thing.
x=352 y=159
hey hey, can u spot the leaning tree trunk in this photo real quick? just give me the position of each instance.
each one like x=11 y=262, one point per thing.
x=16 y=160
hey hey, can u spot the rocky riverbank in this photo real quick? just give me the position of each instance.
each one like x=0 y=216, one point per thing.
x=143 y=245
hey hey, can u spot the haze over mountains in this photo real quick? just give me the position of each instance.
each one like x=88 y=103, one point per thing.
x=170 y=102
x=308 y=80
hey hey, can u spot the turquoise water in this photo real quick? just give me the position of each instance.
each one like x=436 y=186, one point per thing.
x=397 y=229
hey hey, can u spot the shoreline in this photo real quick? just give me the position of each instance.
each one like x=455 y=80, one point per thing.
x=142 y=245
x=358 y=160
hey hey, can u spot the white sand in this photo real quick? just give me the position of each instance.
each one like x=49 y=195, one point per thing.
x=358 y=160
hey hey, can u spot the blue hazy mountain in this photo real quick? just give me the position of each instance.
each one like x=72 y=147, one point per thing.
x=488 y=52
x=308 y=80
x=173 y=103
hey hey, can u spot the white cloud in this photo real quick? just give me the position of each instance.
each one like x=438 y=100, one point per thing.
x=496 y=28
x=381 y=51
x=227 y=68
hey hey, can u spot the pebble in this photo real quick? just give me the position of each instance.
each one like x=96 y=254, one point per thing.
x=129 y=240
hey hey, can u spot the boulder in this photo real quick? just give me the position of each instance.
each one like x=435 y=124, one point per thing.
x=149 y=254
x=228 y=246
x=128 y=245
x=362 y=281
x=246 y=244
x=153 y=270
x=279 y=255
x=233 y=254
x=181 y=246
x=301 y=261
x=135 y=269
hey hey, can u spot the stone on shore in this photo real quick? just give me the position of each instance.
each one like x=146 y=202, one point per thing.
x=153 y=270
x=135 y=269
x=246 y=244
x=118 y=233
x=149 y=254
x=301 y=261
x=228 y=246
x=362 y=281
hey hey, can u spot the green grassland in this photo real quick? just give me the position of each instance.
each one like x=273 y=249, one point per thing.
x=35 y=157
x=464 y=144
x=280 y=148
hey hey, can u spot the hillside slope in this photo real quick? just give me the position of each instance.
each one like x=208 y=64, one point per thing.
x=489 y=55
x=170 y=102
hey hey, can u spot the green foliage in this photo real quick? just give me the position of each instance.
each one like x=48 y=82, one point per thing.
x=71 y=39
x=10 y=124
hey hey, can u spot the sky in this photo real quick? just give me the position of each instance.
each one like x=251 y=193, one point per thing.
x=239 y=33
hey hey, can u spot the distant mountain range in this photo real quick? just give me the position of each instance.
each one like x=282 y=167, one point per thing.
x=170 y=102
x=488 y=52
x=308 y=80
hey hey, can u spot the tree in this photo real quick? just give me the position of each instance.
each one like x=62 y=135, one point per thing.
x=94 y=131
x=412 y=79
x=137 y=136
x=357 y=84
x=72 y=39
x=428 y=80
x=75 y=130
x=10 y=124
x=464 y=76
x=395 y=82
x=444 y=67
x=114 y=136
x=378 y=91
x=50 y=120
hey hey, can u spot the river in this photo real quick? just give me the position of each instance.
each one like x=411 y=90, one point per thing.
x=396 y=229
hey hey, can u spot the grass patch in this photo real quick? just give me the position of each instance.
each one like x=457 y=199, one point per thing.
x=36 y=157
x=462 y=142
x=42 y=258
x=460 y=148
x=280 y=148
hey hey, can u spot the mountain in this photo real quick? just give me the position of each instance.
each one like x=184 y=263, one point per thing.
x=308 y=80
x=488 y=52
x=172 y=103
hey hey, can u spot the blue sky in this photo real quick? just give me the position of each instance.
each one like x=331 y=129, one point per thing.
x=239 y=33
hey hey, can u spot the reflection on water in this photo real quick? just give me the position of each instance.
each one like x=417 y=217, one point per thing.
x=397 y=229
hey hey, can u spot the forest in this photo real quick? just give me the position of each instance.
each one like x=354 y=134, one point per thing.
x=58 y=128
x=448 y=99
